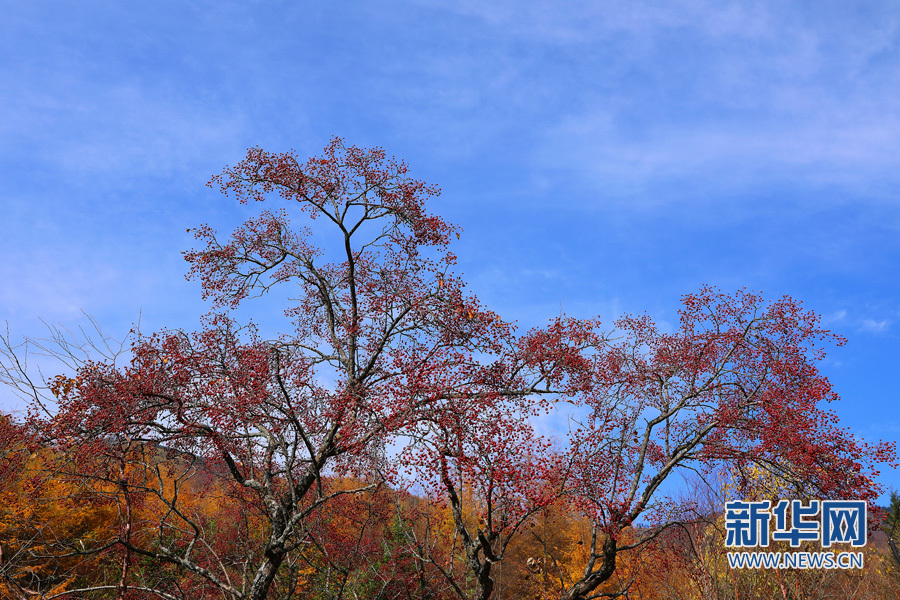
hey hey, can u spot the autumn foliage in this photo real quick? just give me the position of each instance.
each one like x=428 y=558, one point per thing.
x=383 y=446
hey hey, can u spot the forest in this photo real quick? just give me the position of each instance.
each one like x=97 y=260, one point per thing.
x=392 y=441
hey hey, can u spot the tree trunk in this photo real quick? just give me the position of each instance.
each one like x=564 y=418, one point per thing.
x=485 y=583
x=592 y=581
x=265 y=575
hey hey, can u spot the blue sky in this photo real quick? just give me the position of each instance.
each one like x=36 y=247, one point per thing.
x=602 y=157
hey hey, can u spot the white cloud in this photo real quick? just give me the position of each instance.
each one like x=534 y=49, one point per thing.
x=873 y=326
x=835 y=317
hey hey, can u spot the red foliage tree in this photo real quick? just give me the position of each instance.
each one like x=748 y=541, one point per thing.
x=384 y=336
x=492 y=474
x=480 y=457
x=736 y=383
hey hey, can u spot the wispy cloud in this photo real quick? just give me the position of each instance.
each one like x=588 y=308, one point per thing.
x=722 y=95
x=874 y=326
x=837 y=316
x=110 y=130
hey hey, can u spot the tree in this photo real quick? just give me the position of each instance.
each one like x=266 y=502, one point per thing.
x=384 y=337
x=892 y=527
x=482 y=459
x=46 y=520
x=492 y=474
x=734 y=384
